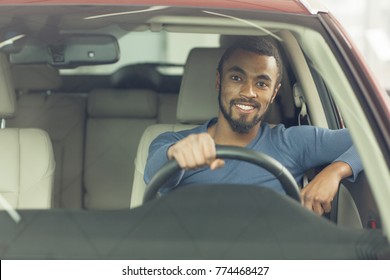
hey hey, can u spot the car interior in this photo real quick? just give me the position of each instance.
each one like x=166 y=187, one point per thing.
x=85 y=89
x=100 y=126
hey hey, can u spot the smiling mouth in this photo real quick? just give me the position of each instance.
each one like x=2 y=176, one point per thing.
x=243 y=107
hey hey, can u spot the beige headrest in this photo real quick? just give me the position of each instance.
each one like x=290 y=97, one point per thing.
x=198 y=98
x=36 y=77
x=7 y=90
x=122 y=103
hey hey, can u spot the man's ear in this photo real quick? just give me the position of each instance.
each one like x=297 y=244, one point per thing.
x=275 y=92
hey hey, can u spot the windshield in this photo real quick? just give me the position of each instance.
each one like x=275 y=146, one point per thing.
x=88 y=88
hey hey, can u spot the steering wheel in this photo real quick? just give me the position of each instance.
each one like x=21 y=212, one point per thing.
x=232 y=152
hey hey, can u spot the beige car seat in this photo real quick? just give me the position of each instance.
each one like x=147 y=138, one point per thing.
x=26 y=155
x=42 y=104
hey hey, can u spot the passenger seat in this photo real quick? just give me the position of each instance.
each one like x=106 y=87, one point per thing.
x=26 y=161
x=62 y=116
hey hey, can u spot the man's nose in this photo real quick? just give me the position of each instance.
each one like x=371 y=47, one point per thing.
x=248 y=90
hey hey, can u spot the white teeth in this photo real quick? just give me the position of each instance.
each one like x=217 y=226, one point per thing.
x=245 y=107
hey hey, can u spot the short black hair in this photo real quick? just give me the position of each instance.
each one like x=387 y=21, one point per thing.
x=255 y=44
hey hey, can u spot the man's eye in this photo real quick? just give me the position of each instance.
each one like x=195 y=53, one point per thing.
x=261 y=84
x=236 y=78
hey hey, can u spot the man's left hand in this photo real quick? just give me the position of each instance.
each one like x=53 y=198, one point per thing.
x=319 y=193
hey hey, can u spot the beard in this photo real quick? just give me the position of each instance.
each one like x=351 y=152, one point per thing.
x=240 y=124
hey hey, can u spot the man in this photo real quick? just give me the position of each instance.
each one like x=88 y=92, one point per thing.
x=248 y=79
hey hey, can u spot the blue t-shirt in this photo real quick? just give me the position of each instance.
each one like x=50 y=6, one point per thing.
x=298 y=148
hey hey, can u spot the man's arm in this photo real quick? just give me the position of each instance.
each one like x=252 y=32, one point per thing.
x=323 y=146
x=319 y=193
x=157 y=155
x=313 y=147
x=337 y=147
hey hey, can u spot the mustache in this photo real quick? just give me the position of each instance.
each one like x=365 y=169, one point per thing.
x=252 y=102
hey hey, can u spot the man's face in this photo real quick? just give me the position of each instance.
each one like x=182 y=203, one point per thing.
x=247 y=85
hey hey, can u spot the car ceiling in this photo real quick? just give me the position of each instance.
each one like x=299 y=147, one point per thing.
x=33 y=19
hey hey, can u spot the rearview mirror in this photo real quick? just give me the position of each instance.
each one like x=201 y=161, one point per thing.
x=68 y=51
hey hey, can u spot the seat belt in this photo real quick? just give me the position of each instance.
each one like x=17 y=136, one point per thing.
x=303 y=117
x=299 y=101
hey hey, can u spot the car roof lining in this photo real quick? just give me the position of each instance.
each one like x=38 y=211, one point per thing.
x=36 y=18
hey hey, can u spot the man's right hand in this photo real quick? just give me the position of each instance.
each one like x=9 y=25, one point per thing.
x=194 y=151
